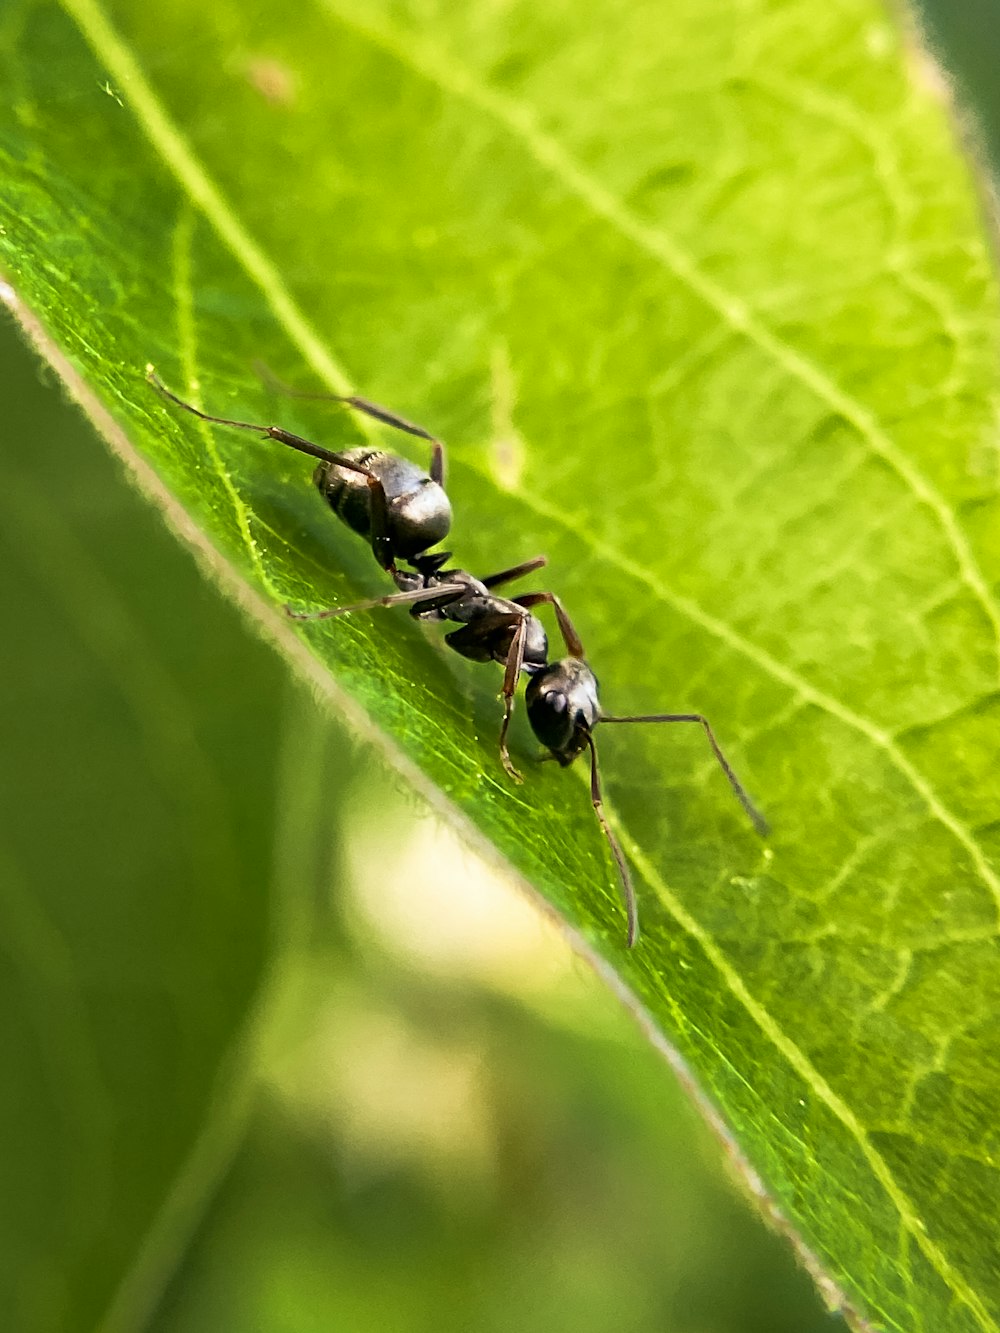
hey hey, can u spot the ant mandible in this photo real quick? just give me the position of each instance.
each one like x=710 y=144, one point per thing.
x=403 y=512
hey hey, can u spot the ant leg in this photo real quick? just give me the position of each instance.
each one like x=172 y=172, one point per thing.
x=437 y=464
x=477 y=641
x=437 y=468
x=371 y=409
x=515 y=572
x=570 y=637
x=380 y=539
x=628 y=892
x=445 y=592
x=756 y=818
x=378 y=518
x=511 y=675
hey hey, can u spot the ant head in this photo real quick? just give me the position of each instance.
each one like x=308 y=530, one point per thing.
x=563 y=707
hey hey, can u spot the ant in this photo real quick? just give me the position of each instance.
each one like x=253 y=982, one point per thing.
x=403 y=512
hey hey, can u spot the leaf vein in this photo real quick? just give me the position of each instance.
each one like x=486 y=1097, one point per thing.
x=187 y=342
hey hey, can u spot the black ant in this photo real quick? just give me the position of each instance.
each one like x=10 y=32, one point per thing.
x=403 y=512
x=386 y=499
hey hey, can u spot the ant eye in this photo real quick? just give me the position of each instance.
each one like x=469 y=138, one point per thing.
x=557 y=701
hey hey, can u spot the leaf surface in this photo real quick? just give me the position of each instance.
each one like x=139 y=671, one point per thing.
x=704 y=312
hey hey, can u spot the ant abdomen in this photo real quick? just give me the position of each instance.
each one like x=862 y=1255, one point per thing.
x=418 y=510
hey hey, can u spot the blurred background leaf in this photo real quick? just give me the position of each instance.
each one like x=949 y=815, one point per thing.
x=68 y=1257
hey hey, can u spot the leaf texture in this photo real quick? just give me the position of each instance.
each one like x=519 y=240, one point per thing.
x=702 y=305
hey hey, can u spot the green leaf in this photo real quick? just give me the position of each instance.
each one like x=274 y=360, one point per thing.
x=704 y=311
x=136 y=870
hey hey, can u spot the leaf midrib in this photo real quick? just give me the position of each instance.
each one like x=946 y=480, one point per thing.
x=111 y=50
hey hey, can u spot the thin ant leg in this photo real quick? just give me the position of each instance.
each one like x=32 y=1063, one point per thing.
x=570 y=637
x=369 y=408
x=628 y=892
x=756 y=818
x=380 y=540
x=515 y=572
x=515 y=657
x=511 y=675
x=480 y=636
x=445 y=593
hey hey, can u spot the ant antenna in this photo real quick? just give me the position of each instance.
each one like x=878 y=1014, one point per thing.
x=276 y=385
x=161 y=388
x=756 y=818
x=272 y=432
x=628 y=892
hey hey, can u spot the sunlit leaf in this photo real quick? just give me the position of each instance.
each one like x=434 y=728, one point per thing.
x=702 y=306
